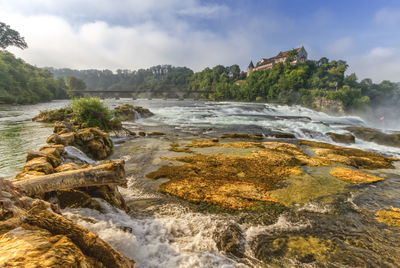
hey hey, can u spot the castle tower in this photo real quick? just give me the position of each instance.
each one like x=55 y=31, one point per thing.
x=250 y=68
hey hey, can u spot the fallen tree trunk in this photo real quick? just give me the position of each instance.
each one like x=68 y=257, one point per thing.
x=106 y=174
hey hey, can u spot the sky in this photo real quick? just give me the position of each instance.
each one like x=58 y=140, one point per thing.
x=133 y=34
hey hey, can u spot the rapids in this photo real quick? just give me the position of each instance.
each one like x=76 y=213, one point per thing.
x=162 y=231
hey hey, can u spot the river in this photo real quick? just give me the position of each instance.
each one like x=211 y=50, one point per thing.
x=166 y=232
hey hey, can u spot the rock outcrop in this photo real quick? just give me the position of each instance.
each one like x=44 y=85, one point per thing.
x=127 y=112
x=326 y=105
x=342 y=138
x=33 y=234
x=373 y=135
x=95 y=143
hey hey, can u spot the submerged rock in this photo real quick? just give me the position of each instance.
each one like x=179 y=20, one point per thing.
x=389 y=217
x=373 y=135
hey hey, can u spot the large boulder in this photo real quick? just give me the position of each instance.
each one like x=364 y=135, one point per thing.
x=374 y=135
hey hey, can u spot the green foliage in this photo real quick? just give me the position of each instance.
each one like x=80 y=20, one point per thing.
x=165 y=77
x=91 y=112
x=73 y=83
x=10 y=37
x=299 y=83
x=23 y=83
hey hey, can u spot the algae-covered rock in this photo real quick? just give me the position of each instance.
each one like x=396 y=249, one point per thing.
x=349 y=156
x=267 y=172
x=354 y=176
x=389 y=217
x=51 y=116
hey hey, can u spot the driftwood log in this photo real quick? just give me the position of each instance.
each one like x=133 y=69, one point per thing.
x=106 y=174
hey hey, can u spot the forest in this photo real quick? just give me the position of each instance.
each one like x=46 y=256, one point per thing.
x=22 y=83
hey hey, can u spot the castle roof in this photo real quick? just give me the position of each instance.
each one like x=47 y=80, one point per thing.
x=251 y=65
x=282 y=54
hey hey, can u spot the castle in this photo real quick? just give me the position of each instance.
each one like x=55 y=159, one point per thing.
x=263 y=64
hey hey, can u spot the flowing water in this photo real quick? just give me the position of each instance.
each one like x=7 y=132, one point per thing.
x=162 y=231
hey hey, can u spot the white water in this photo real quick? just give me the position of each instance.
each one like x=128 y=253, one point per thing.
x=175 y=238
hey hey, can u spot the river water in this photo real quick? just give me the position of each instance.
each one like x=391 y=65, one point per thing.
x=169 y=233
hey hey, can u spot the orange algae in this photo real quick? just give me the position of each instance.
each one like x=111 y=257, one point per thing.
x=354 y=176
x=389 y=217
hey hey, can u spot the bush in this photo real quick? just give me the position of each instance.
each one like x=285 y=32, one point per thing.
x=91 y=112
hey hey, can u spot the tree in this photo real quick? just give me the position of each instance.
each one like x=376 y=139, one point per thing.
x=73 y=83
x=10 y=37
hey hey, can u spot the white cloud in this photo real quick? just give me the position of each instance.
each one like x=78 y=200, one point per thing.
x=54 y=41
x=341 y=46
x=379 y=63
x=388 y=17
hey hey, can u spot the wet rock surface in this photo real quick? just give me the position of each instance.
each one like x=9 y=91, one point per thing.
x=374 y=135
x=33 y=235
x=127 y=112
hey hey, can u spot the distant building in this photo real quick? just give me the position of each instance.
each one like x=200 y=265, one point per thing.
x=263 y=64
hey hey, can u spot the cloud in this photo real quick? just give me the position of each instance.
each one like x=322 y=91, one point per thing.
x=379 y=63
x=54 y=41
x=388 y=17
x=341 y=46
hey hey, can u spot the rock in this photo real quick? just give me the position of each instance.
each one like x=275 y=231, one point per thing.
x=242 y=136
x=230 y=240
x=51 y=116
x=127 y=112
x=75 y=198
x=326 y=105
x=63 y=127
x=33 y=235
x=283 y=135
x=155 y=133
x=342 y=138
x=92 y=141
x=53 y=160
x=65 y=139
x=56 y=150
x=39 y=164
x=110 y=194
x=348 y=156
x=373 y=135
x=354 y=176
x=389 y=217
x=253 y=174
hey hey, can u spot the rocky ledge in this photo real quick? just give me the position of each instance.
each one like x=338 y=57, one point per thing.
x=33 y=232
